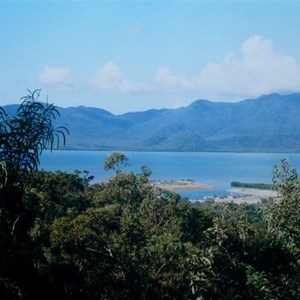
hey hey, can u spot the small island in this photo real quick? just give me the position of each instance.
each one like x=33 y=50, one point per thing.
x=261 y=186
x=181 y=185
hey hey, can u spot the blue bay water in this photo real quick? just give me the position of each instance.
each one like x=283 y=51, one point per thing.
x=218 y=169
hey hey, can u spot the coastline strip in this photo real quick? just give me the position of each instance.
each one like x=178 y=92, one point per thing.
x=182 y=185
x=247 y=195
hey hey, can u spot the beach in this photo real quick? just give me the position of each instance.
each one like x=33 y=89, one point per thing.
x=181 y=185
x=247 y=195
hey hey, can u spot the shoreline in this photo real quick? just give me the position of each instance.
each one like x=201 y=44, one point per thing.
x=237 y=195
x=262 y=193
x=181 y=185
x=170 y=151
x=246 y=195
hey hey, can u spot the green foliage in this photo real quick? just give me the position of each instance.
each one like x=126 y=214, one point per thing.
x=134 y=241
x=263 y=186
x=63 y=237
x=283 y=219
x=3 y=174
x=115 y=161
x=280 y=278
x=22 y=140
x=25 y=136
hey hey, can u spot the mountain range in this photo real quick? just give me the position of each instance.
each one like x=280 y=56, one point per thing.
x=270 y=123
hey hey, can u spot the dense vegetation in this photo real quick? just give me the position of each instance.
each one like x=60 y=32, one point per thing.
x=270 y=123
x=62 y=237
x=264 y=186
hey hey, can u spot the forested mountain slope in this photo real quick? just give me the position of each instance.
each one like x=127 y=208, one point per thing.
x=269 y=123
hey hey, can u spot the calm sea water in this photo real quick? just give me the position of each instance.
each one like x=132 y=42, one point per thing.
x=218 y=169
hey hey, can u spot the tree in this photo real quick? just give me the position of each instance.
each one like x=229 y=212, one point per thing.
x=115 y=161
x=280 y=279
x=283 y=218
x=3 y=174
x=23 y=137
x=134 y=242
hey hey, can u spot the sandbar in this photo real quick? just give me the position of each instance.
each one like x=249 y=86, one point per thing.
x=254 y=192
x=181 y=185
x=247 y=195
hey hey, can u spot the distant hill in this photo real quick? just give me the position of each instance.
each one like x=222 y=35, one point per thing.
x=270 y=123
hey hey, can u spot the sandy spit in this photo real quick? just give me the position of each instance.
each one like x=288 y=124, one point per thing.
x=182 y=185
x=247 y=195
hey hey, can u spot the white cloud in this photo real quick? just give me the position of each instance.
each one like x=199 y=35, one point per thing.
x=56 y=77
x=169 y=82
x=258 y=69
x=110 y=79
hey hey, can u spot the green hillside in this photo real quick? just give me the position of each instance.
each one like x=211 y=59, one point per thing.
x=270 y=123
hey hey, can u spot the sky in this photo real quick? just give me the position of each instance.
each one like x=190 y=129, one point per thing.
x=137 y=55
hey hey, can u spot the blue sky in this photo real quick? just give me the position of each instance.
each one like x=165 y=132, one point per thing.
x=136 y=55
